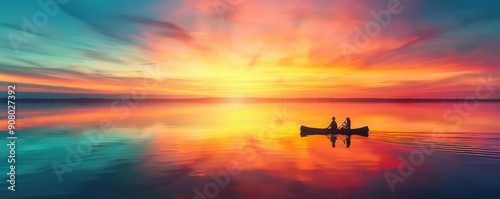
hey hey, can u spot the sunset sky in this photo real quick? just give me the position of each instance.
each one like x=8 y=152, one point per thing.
x=251 y=48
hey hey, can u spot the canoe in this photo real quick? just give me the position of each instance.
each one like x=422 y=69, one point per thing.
x=305 y=131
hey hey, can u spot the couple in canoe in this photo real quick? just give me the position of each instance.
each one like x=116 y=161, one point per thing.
x=345 y=125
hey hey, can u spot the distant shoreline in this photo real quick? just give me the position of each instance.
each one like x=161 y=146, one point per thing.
x=254 y=100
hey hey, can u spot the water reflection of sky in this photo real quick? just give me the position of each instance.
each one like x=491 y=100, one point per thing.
x=166 y=150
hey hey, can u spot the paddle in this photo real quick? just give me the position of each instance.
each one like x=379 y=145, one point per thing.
x=339 y=127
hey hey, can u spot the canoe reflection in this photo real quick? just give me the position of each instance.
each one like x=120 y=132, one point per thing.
x=346 y=140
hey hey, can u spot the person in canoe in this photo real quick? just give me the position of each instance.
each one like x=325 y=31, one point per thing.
x=333 y=125
x=346 y=124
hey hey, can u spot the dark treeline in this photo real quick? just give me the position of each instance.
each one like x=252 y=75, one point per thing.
x=254 y=100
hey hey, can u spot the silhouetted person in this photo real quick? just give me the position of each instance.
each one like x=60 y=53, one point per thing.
x=346 y=124
x=333 y=125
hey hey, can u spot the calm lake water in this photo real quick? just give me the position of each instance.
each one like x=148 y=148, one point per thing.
x=253 y=150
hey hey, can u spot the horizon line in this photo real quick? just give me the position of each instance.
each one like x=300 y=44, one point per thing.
x=252 y=99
